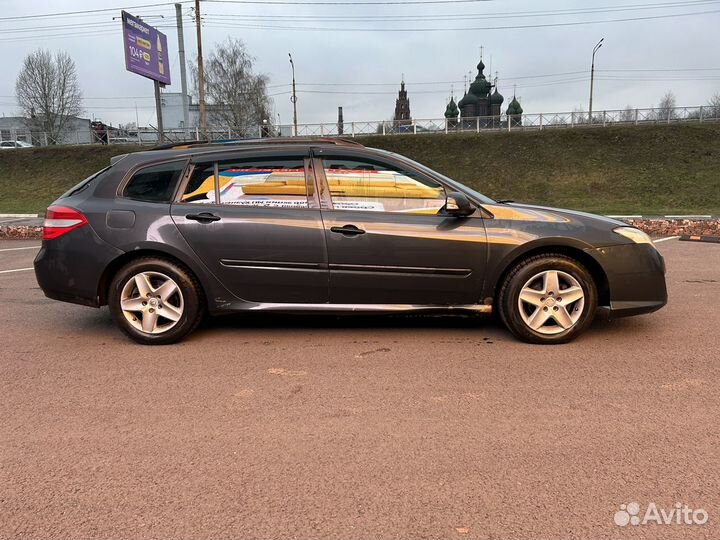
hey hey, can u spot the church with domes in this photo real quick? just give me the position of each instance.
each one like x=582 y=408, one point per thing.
x=481 y=106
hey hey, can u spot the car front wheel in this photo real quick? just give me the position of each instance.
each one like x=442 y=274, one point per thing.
x=155 y=301
x=548 y=299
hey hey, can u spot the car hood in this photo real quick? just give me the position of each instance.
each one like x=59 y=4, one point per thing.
x=531 y=212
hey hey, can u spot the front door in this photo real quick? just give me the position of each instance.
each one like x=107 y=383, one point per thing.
x=387 y=240
x=251 y=219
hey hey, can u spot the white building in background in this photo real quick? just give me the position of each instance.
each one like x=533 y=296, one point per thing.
x=18 y=128
x=172 y=111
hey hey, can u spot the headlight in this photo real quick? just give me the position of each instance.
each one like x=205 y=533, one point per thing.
x=636 y=235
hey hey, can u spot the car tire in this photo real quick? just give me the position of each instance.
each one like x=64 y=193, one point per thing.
x=155 y=301
x=531 y=302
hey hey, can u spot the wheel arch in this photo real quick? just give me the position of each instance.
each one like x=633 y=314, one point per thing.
x=138 y=252
x=573 y=249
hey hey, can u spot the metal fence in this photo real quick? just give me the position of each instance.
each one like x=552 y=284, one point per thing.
x=484 y=124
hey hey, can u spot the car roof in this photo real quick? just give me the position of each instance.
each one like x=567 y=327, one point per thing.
x=192 y=148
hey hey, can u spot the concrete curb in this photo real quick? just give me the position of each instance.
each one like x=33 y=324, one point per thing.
x=700 y=238
x=2 y=216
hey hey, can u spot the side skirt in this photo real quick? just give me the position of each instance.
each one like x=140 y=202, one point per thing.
x=369 y=308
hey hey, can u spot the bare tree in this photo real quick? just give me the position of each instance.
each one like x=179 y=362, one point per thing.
x=48 y=91
x=580 y=116
x=713 y=107
x=628 y=114
x=666 y=109
x=236 y=96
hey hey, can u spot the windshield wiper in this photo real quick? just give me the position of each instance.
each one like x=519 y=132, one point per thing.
x=504 y=201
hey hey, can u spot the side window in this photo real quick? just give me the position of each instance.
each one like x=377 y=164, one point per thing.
x=277 y=182
x=373 y=186
x=156 y=183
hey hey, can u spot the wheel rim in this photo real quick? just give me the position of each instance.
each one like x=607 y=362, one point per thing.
x=551 y=302
x=152 y=302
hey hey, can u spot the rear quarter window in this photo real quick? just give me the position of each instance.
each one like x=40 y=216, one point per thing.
x=156 y=183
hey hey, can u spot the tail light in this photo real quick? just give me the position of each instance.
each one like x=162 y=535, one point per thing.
x=60 y=220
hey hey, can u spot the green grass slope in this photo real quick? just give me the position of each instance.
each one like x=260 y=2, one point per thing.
x=32 y=178
x=619 y=170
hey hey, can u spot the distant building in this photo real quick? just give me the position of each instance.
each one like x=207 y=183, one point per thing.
x=75 y=131
x=172 y=111
x=481 y=106
x=451 y=113
x=514 y=113
x=402 y=108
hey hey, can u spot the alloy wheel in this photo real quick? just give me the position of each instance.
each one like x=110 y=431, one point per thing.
x=551 y=302
x=152 y=302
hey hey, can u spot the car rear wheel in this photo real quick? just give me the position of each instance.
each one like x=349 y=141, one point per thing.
x=155 y=301
x=548 y=299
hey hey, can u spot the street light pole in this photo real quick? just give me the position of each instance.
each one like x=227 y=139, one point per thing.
x=592 y=76
x=293 y=98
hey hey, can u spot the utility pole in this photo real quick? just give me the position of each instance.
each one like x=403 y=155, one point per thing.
x=201 y=73
x=158 y=109
x=592 y=77
x=183 y=72
x=293 y=98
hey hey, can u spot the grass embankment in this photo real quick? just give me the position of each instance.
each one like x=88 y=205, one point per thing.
x=621 y=170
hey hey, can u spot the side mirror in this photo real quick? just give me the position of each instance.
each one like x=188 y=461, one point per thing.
x=458 y=205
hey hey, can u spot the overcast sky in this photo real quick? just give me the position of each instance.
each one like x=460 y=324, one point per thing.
x=358 y=62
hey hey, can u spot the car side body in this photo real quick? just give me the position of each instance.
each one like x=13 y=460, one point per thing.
x=324 y=256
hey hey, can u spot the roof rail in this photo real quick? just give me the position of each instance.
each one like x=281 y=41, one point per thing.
x=268 y=140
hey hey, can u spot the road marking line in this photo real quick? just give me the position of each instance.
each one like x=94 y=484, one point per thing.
x=18 y=249
x=15 y=270
x=688 y=216
x=665 y=239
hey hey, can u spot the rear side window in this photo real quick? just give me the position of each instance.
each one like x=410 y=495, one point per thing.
x=156 y=183
x=276 y=182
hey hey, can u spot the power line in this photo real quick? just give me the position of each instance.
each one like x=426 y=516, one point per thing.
x=465 y=16
x=345 y=3
x=460 y=29
x=87 y=11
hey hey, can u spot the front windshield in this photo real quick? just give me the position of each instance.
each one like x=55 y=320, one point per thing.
x=479 y=197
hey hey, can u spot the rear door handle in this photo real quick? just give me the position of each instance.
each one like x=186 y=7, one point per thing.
x=203 y=217
x=348 y=230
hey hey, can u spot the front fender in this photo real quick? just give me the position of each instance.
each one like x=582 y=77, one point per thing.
x=502 y=256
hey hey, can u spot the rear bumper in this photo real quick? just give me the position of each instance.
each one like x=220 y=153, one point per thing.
x=636 y=278
x=69 y=268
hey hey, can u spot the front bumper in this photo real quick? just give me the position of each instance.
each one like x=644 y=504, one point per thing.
x=636 y=278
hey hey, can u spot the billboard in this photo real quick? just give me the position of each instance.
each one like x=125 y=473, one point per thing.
x=146 y=51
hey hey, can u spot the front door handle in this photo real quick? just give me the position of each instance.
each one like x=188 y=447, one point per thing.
x=347 y=230
x=203 y=217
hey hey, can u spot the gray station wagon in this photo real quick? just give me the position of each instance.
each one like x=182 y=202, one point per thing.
x=168 y=235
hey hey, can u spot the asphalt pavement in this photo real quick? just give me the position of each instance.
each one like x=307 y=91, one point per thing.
x=402 y=427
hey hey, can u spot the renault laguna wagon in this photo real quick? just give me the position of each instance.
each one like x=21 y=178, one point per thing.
x=166 y=236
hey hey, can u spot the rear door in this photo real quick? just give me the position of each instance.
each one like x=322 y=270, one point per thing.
x=254 y=220
x=387 y=240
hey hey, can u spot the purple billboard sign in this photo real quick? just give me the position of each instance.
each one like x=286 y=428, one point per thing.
x=146 y=51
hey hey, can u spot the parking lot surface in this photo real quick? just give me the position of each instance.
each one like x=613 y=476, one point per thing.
x=297 y=427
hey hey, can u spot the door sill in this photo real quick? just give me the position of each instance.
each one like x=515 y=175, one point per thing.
x=372 y=308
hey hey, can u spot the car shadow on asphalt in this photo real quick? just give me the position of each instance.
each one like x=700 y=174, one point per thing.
x=100 y=323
